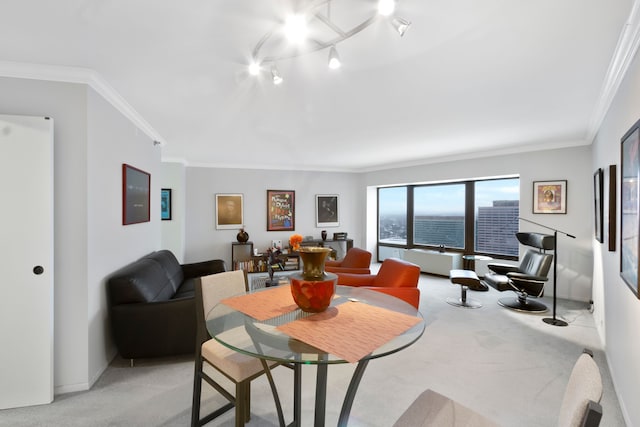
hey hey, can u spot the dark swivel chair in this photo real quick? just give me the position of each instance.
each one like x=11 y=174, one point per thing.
x=527 y=279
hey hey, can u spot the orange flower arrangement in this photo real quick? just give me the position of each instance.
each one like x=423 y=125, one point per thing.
x=294 y=241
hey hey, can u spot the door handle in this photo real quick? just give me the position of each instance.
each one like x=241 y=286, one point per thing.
x=38 y=269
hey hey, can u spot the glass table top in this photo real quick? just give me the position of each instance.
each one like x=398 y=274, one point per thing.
x=247 y=335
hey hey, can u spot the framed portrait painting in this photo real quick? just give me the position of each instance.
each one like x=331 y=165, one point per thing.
x=550 y=197
x=165 y=204
x=281 y=211
x=136 y=193
x=612 y=207
x=629 y=212
x=229 y=211
x=598 y=195
x=327 y=210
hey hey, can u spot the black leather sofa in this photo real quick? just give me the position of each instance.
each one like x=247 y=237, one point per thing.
x=152 y=306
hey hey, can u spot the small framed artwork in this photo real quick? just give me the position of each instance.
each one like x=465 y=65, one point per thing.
x=550 y=197
x=327 y=210
x=612 y=207
x=281 y=213
x=598 y=192
x=229 y=211
x=165 y=204
x=136 y=193
x=629 y=208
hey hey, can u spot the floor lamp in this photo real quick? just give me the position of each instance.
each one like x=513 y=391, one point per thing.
x=552 y=320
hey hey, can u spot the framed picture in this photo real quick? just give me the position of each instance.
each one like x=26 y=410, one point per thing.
x=629 y=217
x=229 y=211
x=165 y=204
x=136 y=193
x=550 y=197
x=327 y=210
x=598 y=192
x=281 y=213
x=612 y=207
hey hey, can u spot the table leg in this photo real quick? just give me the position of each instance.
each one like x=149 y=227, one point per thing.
x=297 y=394
x=351 y=393
x=321 y=395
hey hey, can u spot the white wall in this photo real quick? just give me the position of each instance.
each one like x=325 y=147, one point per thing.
x=113 y=140
x=203 y=241
x=616 y=308
x=174 y=177
x=91 y=141
x=571 y=164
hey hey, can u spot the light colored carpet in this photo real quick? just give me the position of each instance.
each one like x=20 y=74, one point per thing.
x=510 y=366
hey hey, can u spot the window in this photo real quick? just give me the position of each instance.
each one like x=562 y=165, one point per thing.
x=472 y=216
x=497 y=207
x=439 y=215
x=392 y=215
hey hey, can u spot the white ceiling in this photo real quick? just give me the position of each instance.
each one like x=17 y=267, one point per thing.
x=469 y=77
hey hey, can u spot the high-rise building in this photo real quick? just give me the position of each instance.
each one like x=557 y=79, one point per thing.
x=496 y=227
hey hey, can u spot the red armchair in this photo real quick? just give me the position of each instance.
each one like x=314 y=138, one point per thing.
x=396 y=277
x=355 y=261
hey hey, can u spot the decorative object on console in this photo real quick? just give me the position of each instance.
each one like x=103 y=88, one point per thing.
x=136 y=191
x=630 y=208
x=327 y=210
x=323 y=234
x=550 y=197
x=242 y=236
x=229 y=211
x=313 y=289
x=281 y=210
x=340 y=236
x=273 y=259
x=294 y=241
x=315 y=17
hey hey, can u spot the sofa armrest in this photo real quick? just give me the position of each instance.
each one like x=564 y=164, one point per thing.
x=203 y=268
x=351 y=279
x=332 y=263
x=155 y=328
x=351 y=270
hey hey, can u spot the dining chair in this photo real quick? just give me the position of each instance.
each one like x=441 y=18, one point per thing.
x=580 y=405
x=238 y=368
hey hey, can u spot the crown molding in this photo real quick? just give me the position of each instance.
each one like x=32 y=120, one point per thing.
x=624 y=54
x=83 y=76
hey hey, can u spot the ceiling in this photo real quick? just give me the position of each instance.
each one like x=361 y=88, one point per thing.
x=469 y=77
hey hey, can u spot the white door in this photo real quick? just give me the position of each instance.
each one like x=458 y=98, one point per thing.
x=26 y=257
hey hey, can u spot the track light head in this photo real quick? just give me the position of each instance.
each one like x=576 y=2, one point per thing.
x=275 y=74
x=400 y=25
x=334 y=59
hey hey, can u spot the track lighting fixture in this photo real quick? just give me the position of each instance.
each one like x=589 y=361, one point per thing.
x=312 y=29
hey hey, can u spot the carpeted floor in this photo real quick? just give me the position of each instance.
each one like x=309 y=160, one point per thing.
x=510 y=366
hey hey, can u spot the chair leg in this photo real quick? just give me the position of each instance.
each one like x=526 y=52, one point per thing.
x=197 y=392
x=242 y=411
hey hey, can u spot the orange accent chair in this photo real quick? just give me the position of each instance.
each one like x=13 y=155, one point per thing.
x=396 y=277
x=355 y=261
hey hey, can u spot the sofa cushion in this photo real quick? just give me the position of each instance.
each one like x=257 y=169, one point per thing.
x=186 y=290
x=170 y=264
x=142 y=281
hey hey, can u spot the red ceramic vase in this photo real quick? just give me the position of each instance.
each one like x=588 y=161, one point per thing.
x=313 y=289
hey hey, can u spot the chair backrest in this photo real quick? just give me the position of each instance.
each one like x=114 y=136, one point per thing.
x=397 y=273
x=580 y=405
x=210 y=290
x=356 y=258
x=536 y=263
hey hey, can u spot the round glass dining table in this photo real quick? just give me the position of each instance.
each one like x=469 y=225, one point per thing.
x=244 y=334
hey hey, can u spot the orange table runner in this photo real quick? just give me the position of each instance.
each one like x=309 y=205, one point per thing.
x=265 y=304
x=351 y=330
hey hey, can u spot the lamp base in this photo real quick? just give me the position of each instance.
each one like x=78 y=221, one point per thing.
x=555 y=322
